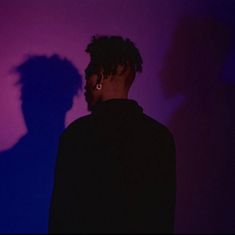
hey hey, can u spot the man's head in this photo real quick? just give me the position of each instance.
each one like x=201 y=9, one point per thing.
x=114 y=62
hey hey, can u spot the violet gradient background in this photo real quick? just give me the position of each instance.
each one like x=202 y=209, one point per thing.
x=205 y=191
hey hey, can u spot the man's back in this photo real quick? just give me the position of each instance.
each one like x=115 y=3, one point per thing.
x=115 y=173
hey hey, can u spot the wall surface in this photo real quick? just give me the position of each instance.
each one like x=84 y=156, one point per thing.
x=187 y=84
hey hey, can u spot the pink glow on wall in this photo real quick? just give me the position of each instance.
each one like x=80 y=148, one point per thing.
x=65 y=28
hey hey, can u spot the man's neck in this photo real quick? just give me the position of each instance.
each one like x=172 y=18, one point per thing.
x=115 y=95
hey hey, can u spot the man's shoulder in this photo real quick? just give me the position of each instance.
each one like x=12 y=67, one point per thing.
x=77 y=126
x=156 y=128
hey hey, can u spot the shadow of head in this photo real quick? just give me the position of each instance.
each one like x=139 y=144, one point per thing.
x=48 y=85
x=196 y=55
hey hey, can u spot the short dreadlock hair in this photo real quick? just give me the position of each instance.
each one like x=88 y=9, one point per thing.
x=107 y=52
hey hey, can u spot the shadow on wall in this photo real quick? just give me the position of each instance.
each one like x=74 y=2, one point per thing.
x=203 y=126
x=48 y=85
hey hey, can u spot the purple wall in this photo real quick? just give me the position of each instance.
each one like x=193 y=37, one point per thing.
x=187 y=83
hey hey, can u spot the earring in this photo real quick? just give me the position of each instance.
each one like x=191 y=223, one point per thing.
x=98 y=86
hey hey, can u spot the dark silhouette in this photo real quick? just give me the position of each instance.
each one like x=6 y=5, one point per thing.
x=116 y=166
x=48 y=85
x=203 y=125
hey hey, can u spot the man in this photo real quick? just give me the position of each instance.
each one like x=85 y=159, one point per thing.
x=116 y=167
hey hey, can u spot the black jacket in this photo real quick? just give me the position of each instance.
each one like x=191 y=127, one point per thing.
x=115 y=173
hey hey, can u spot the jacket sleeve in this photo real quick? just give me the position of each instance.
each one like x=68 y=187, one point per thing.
x=164 y=183
x=153 y=208
x=61 y=202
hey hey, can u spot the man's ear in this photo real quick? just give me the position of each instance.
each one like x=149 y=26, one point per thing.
x=100 y=78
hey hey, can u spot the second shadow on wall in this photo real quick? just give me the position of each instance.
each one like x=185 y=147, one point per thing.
x=203 y=126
